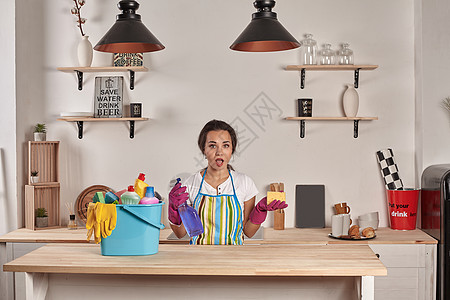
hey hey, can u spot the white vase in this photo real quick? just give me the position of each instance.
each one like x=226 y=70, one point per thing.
x=34 y=179
x=85 y=52
x=350 y=101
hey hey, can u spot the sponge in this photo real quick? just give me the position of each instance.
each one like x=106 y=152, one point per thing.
x=98 y=197
x=110 y=198
x=276 y=196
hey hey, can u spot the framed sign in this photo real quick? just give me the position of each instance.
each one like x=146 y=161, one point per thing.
x=128 y=59
x=108 y=102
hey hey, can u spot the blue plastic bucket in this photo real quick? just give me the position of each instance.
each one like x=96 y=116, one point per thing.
x=137 y=230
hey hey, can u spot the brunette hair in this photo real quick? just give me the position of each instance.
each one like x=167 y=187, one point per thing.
x=215 y=125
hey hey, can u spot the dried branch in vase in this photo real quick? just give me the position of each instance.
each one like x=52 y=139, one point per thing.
x=76 y=10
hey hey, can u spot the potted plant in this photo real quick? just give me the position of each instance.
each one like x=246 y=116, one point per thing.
x=40 y=132
x=34 y=176
x=41 y=217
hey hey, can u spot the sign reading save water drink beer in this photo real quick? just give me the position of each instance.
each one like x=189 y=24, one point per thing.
x=108 y=102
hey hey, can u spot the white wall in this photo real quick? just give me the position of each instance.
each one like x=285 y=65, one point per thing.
x=436 y=78
x=197 y=78
x=8 y=195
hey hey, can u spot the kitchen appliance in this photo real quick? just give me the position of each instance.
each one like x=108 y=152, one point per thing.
x=435 y=220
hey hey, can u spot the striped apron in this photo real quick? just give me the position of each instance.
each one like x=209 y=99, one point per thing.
x=221 y=216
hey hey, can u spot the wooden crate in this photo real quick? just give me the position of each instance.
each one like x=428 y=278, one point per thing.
x=44 y=158
x=46 y=196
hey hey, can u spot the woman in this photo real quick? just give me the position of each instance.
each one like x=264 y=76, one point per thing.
x=223 y=198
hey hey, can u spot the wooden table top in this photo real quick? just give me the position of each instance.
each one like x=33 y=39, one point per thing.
x=249 y=260
x=271 y=236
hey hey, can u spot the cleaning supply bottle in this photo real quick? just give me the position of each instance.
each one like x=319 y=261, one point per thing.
x=149 y=197
x=190 y=218
x=130 y=196
x=140 y=185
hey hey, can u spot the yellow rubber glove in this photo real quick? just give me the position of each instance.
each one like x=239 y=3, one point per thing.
x=108 y=219
x=98 y=220
x=91 y=223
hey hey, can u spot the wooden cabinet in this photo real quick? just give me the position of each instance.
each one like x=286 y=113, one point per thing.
x=411 y=272
x=43 y=157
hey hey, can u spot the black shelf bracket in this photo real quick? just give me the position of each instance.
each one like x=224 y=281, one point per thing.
x=131 y=129
x=303 y=75
x=80 y=129
x=355 y=128
x=302 y=78
x=356 y=78
x=80 y=80
x=132 y=80
x=302 y=128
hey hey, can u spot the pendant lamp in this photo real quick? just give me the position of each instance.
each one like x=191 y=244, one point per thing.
x=128 y=34
x=264 y=33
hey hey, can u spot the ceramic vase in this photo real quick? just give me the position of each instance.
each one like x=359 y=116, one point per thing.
x=85 y=52
x=350 y=101
x=34 y=179
x=41 y=222
x=40 y=136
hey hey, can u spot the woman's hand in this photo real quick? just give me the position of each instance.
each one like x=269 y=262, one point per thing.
x=177 y=196
x=259 y=213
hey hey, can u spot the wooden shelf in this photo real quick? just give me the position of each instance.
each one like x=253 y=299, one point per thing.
x=330 y=67
x=331 y=118
x=43 y=156
x=80 y=120
x=45 y=184
x=102 y=69
x=354 y=119
x=81 y=70
x=355 y=68
x=87 y=119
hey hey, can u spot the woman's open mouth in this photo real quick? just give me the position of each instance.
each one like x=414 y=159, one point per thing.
x=219 y=162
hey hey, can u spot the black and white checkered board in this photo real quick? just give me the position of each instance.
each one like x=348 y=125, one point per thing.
x=389 y=170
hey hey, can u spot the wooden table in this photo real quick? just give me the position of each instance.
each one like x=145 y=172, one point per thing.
x=297 y=236
x=265 y=261
x=271 y=236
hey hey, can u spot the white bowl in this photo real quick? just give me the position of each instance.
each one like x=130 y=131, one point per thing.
x=369 y=216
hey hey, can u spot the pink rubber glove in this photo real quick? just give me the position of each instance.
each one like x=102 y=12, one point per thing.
x=177 y=196
x=259 y=213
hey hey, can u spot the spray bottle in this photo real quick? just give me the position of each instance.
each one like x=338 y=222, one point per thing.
x=190 y=218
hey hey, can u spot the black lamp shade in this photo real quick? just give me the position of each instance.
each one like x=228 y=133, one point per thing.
x=128 y=34
x=264 y=33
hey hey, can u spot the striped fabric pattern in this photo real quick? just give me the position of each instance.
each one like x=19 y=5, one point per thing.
x=222 y=220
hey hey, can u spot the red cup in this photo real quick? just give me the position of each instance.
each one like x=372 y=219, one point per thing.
x=402 y=206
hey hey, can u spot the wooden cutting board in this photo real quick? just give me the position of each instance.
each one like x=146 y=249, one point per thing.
x=85 y=198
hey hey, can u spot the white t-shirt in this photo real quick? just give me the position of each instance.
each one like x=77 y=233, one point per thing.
x=244 y=186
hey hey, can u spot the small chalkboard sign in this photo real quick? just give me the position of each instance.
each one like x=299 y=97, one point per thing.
x=108 y=102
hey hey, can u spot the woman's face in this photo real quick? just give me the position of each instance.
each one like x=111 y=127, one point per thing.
x=218 y=149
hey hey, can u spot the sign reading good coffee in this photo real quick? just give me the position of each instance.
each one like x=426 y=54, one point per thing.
x=128 y=59
x=108 y=102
